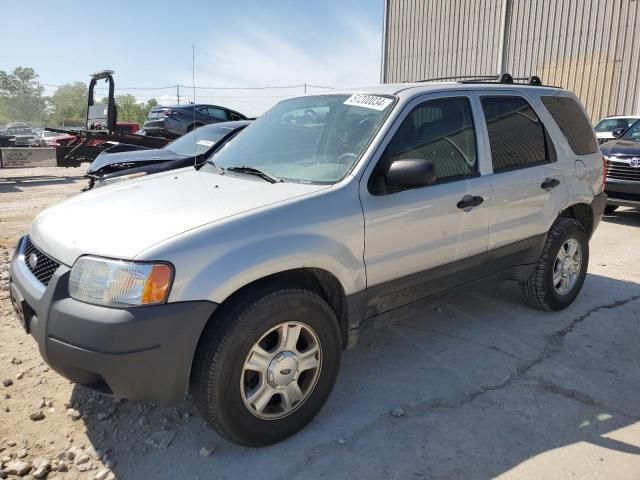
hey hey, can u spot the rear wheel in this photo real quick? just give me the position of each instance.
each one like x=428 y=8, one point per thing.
x=561 y=269
x=266 y=366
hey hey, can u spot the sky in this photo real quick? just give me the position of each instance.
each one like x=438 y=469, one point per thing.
x=238 y=44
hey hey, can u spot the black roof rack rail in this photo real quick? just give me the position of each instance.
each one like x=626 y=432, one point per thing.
x=504 y=78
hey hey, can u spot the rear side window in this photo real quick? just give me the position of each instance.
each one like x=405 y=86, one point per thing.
x=573 y=124
x=517 y=136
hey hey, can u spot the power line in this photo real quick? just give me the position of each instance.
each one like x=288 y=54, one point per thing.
x=172 y=87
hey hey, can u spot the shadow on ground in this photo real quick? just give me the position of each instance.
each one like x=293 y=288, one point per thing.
x=484 y=381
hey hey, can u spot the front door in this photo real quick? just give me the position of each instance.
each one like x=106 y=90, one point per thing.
x=409 y=232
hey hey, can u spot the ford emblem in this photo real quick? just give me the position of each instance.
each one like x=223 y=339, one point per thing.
x=32 y=260
x=635 y=162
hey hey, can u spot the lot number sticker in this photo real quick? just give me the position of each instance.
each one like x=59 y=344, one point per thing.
x=368 y=101
x=206 y=143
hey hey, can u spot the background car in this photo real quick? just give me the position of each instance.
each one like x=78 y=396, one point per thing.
x=22 y=133
x=190 y=149
x=623 y=169
x=605 y=127
x=175 y=121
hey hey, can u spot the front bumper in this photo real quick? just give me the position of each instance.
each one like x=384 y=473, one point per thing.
x=623 y=193
x=138 y=353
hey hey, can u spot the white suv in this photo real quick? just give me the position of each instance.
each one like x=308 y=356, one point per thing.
x=243 y=281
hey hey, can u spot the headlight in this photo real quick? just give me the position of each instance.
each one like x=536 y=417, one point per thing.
x=118 y=283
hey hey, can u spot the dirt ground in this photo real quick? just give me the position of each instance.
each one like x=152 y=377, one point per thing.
x=481 y=386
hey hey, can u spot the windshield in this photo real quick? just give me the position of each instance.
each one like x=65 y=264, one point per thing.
x=633 y=133
x=19 y=130
x=314 y=139
x=611 y=124
x=198 y=141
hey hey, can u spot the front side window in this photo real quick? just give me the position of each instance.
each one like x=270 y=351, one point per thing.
x=440 y=131
x=573 y=124
x=217 y=113
x=516 y=134
x=313 y=139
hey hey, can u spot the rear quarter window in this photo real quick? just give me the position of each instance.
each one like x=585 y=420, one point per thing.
x=571 y=120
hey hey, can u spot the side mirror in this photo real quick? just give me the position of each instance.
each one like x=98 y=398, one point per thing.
x=617 y=133
x=409 y=173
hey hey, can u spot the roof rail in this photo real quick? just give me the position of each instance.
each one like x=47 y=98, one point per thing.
x=505 y=78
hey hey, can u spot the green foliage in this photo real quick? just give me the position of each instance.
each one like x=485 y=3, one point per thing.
x=69 y=105
x=129 y=110
x=21 y=96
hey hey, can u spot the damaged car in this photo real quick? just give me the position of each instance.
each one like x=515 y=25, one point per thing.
x=115 y=165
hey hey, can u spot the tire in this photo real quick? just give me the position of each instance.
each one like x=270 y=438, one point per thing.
x=220 y=381
x=609 y=209
x=540 y=290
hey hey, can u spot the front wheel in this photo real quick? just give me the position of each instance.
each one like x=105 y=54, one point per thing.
x=267 y=364
x=561 y=268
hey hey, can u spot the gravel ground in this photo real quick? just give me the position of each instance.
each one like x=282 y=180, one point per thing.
x=478 y=387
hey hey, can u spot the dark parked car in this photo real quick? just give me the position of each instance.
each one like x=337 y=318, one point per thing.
x=177 y=120
x=192 y=149
x=623 y=168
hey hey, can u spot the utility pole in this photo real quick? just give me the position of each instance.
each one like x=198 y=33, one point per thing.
x=39 y=105
x=178 y=92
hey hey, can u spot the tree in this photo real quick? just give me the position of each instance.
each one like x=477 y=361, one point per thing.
x=129 y=110
x=69 y=105
x=21 y=96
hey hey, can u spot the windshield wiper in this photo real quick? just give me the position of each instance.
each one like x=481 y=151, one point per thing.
x=254 y=171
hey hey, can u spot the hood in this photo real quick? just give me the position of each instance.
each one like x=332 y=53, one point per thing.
x=122 y=220
x=133 y=156
x=620 y=147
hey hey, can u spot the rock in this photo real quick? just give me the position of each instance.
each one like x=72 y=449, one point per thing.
x=73 y=452
x=397 y=412
x=207 y=451
x=74 y=414
x=84 y=467
x=7 y=382
x=62 y=467
x=22 y=453
x=37 y=415
x=20 y=374
x=43 y=403
x=109 y=464
x=17 y=467
x=41 y=467
x=16 y=361
x=102 y=474
x=82 y=457
x=11 y=443
x=7 y=396
x=161 y=438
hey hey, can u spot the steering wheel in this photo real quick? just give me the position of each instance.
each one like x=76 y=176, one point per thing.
x=347 y=158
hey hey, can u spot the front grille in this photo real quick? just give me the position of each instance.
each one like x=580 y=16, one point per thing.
x=38 y=263
x=622 y=171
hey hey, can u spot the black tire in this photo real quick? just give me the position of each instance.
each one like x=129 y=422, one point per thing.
x=225 y=344
x=539 y=289
x=610 y=209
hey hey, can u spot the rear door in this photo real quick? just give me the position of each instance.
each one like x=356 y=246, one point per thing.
x=528 y=183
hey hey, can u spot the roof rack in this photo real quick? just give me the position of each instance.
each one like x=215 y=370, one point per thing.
x=505 y=78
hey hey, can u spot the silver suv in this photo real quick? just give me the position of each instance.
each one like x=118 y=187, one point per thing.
x=244 y=280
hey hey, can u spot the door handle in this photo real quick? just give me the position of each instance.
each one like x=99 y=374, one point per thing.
x=550 y=183
x=470 y=201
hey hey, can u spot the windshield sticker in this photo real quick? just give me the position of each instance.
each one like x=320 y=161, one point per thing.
x=206 y=143
x=368 y=101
